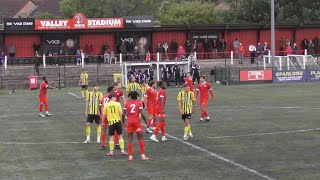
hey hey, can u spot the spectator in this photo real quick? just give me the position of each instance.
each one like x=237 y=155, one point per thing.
x=36 y=47
x=177 y=71
x=195 y=71
x=206 y=47
x=181 y=53
x=37 y=58
x=259 y=50
x=195 y=46
x=123 y=48
x=112 y=56
x=159 y=50
x=148 y=56
x=174 y=48
x=223 y=47
x=165 y=74
x=281 y=47
x=252 y=50
x=88 y=48
x=106 y=57
x=311 y=47
x=78 y=57
x=289 y=50
x=316 y=45
x=215 y=46
x=105 y=48
x=130 y=49
x=288 y=43
x=12 y=50
x=266 y=48
x=188 y=47
x=50 y=58
x=304 y=44
x=165 y=47
x=295 y=48
x=192 y=59
x=136 y=53
x=241 y=53
x=236 y=44
x=2 y=58
x=142 y=54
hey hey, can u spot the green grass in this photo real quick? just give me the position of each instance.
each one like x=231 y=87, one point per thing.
x=33 y=148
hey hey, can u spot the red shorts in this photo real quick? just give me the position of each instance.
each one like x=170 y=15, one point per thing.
x=203 y=101
x=160 y=114
x=134 y=127
x=151 y=110
x=43 y=99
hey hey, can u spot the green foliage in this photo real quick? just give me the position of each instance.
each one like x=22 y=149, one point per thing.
x=259 y=11
x=44 y=15
x=194 y=12
x=108 y=8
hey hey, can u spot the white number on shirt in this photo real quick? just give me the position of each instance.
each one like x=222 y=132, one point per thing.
x=105 y=100
x=132 y=106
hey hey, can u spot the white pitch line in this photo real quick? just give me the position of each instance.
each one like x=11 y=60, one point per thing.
x=271 y=107
x=262 y=134
x=211 y=153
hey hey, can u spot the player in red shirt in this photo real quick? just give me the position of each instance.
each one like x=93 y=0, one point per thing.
x=119 y=94
x=150 y=99
x=133 y=109
x=105 y=99
x=160 y=107
x=203 y=88
x=43 y=97
x=188 y=81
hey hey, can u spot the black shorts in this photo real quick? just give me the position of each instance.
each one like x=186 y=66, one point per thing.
x=115 y=127
x=91 y=117
x=186 y=116
x=84 y=87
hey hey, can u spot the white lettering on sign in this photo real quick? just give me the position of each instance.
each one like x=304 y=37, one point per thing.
x=126 y=39
x=104 y=22
x=54 y=23
x=53 y=41
x=256 y=75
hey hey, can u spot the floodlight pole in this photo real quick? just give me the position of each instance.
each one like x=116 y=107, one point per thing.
x=273 y=44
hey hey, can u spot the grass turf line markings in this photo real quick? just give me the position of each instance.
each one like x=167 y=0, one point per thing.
x=209 y=152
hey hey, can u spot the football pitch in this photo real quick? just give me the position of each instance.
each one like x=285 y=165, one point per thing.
x=264 y=131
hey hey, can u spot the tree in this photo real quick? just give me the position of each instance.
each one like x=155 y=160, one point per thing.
x=109 y=8
x=193 y=12
x=258 y=11
x=44 y=15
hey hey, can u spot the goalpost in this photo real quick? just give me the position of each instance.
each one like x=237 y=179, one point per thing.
x=185 y=65
x=290 y=61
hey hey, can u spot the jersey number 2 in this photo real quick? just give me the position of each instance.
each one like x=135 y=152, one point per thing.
x=132 y=106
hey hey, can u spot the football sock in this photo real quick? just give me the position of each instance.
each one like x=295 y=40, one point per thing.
x=86 y=93
x=202 y=114
x=158 y=127
x=40 y=108
x=148 y=123
x=116 y=137
x=87 y=131
x=154 y=122
x=205 y=113
x=111 y=145
x=46 y=107
x=186 y=130
x=141 y=143
x=130 y=148
x=162 y=129
x=82 y=93
x=99 y=130
x=189 y=132
x=121 y=143
x=103 y=139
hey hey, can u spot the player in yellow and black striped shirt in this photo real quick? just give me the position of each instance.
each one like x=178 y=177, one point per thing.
x=133 y=86
x=113 y=111
x=144 y=87
x=84 y=80
x=93 y=112
x=186 y=102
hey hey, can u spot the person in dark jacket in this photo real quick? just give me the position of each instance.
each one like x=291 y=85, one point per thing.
x=206 y=47
x=223 y=47
x=195 y=71
x=176 y=69
x=188 y=47
x=174 y=49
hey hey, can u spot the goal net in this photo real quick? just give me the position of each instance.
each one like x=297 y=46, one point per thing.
x=185 y=65
x=290 y=62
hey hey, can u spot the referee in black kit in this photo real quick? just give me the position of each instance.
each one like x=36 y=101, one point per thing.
x=195 y=70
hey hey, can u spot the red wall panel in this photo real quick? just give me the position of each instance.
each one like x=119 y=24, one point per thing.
x=160 y=37
x=97 y=41
x=265 y=36
x=23 y=43
x=246 y=37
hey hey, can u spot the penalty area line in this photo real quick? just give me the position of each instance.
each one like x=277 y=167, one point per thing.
x=210 y=153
